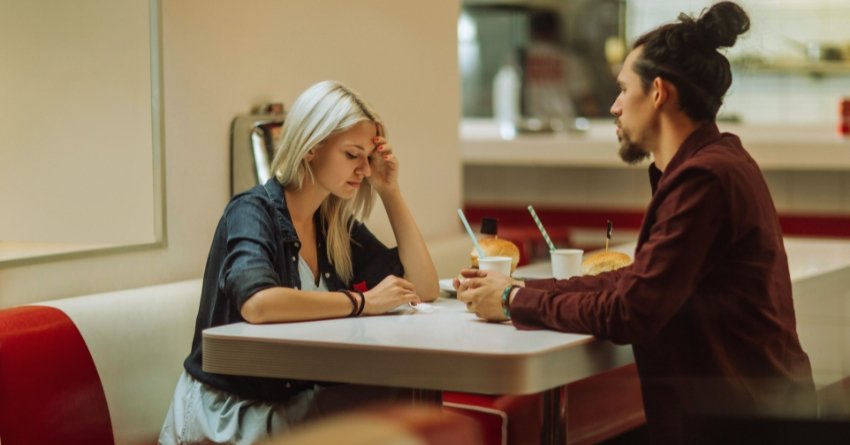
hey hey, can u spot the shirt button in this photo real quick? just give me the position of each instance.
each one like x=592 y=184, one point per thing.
x=288 y=385
x=327 y=275
x=297 y=244
x=293 y=259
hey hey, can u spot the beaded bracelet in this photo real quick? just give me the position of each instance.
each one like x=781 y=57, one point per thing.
x=506 y=305
x=354 y=305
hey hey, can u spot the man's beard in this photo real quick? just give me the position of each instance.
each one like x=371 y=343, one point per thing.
x=630 y=152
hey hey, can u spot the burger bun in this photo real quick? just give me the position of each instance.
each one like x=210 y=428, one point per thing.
x=604 y=262
x=496 y=247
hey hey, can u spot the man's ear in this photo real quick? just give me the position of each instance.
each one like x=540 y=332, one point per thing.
x=663 y=91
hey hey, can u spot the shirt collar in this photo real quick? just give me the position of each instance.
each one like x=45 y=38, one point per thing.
x=702 y=136
x=278 y=198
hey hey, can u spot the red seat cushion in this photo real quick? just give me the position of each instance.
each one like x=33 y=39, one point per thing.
x=50 y=392
x=513 y=420
x=598 y=408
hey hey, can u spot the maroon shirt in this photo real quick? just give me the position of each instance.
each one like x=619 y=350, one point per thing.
x=707 y=302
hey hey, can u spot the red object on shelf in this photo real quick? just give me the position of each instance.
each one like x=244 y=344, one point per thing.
x=844 y=117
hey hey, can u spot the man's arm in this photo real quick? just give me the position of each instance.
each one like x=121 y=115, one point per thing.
x=680 y=251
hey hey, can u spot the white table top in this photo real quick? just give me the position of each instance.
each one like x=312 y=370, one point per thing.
x=446 y=349
x=449 y=348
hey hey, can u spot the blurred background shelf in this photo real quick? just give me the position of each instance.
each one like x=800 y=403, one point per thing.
x=774 y=147
x=794 y=68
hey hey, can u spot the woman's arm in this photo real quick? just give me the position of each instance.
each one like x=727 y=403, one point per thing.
x=282 y=304
x=418 y=265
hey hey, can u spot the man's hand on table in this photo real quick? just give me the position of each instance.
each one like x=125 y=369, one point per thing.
x=482 y=292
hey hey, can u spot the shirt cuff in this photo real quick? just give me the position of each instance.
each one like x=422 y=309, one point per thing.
x=524 y=307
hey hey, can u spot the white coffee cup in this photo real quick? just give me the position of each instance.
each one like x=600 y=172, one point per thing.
x=501 y=264
x=566 y=263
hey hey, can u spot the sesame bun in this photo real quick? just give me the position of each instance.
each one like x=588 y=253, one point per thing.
x=604 y=261
x=496 y=247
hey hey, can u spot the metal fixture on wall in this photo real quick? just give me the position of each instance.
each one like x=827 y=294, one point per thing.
x=252 y=144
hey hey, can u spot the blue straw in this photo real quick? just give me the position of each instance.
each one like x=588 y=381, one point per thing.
x=471 y=235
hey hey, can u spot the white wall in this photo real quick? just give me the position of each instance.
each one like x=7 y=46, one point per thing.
x=51 y=134
x=220 y=58
x=792 y=94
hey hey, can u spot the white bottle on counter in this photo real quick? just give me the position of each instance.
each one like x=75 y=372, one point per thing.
x=506 y=97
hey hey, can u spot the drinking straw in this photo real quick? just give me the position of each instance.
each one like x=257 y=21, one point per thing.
x=471 y=235
x=608 y=234
x=542 y=230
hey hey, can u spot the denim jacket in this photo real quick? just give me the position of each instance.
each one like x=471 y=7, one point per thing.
x=256 y=247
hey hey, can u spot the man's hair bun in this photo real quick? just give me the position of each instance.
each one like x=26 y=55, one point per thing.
x=720 y=25
x=685 y=53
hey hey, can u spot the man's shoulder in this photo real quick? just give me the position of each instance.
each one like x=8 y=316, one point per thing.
x=725 y=161
x=722 y=152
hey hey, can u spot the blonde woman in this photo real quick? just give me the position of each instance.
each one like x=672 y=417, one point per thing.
x=292 y=249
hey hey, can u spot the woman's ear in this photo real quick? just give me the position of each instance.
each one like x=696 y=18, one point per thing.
x=310 y=155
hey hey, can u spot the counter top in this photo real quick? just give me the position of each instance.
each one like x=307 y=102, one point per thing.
x=807 y=258
x=820 y=277
x=773 y=147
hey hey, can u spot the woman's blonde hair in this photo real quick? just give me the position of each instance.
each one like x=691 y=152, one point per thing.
x=324 y=109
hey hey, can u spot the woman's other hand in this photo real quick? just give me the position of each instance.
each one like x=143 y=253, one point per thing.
x=390 y=293
x=384 y=164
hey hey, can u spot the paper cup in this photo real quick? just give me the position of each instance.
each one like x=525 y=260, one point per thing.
x=566 y=263
x=501 y=264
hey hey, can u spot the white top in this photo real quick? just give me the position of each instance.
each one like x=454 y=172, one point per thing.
x=308 y=280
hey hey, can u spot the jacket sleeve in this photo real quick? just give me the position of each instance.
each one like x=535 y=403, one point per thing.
x=635 y=303
x=249 y=265
x=371 y=259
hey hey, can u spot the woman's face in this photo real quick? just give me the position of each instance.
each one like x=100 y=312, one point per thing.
x=342 y=162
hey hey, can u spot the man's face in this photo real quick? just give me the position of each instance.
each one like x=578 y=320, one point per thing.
x=633 y=111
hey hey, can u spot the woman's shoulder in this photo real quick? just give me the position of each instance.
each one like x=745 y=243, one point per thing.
x=254 y=198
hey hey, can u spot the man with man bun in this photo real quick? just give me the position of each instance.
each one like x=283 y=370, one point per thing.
x=707 y=303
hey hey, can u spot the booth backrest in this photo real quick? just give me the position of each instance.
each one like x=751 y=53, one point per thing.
x=94 y=369
x=49 y=388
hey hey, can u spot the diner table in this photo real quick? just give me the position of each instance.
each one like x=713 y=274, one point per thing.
x=442 y=347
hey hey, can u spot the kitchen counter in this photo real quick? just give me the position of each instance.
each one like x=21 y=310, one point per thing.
x=773 y=147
